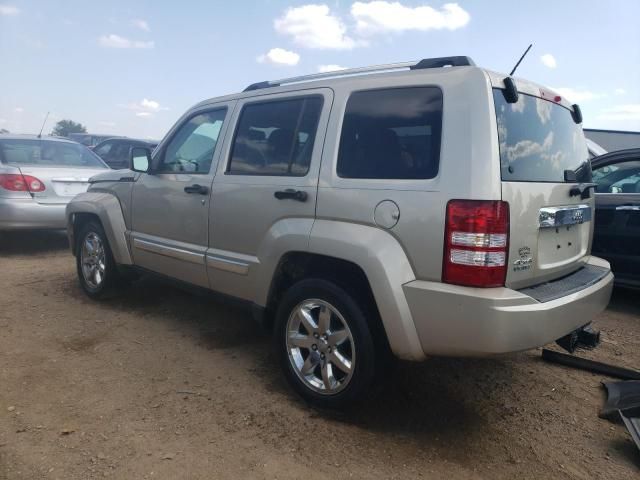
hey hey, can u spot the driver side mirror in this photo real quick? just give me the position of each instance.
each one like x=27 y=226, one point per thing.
x=140 y=159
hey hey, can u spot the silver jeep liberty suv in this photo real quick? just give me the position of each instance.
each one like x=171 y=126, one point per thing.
x=405 y=210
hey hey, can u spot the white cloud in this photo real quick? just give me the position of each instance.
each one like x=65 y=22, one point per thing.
x=549 y=60
x=141 y=24
x=9 y=10
x=106 y=123
x=3 y=120
x=150 y=105
x=630 y=111
x=576 y=95
x=144 y=108
x=279 y=56
x=18 y=109
x=116 y=41
x=330 y=68
x=314 y=26
x=382 y=17
x=620 y=91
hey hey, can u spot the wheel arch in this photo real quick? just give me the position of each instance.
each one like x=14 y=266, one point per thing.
x=364 y=260
x=104 y=208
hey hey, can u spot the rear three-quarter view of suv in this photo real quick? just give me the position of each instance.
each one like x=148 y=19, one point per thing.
x=408 y=210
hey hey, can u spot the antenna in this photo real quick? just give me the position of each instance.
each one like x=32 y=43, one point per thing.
x=521 y=58
x=42 y=128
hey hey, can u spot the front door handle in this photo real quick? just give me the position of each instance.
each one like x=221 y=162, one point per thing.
x=629 y=208
x=298 y=195
x=201 y=189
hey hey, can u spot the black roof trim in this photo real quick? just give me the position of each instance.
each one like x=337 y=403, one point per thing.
x=615 y=156
x=457 y=61
x=260 y=85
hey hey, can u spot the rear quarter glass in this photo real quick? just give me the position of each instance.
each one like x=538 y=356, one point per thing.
x=391 y=133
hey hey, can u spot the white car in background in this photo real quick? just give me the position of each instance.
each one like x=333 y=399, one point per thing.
x=38 y=177
x=594 y=149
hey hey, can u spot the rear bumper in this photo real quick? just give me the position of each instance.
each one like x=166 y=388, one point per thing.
x=462 y=321
x=26 y=213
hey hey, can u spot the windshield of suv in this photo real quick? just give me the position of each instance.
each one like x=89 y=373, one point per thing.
x=47 y=153
x=539 y=141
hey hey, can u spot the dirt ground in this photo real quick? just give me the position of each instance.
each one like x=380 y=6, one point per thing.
x=160 y=383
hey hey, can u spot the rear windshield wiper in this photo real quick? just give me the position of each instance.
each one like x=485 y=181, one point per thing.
x=582 y=189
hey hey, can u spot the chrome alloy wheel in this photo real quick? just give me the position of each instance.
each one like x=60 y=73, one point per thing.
x=93 y=260
x=320 y=346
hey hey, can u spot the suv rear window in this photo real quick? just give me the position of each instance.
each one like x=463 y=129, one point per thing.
x=391 y=134
x=539 y=141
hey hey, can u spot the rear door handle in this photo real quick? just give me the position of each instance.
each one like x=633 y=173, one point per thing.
x=292 y=194
x=629 y=208
x=200 y=189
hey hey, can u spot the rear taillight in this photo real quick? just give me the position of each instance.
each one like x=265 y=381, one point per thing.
x=33 y=184
x=476 y=243
x=21 y=183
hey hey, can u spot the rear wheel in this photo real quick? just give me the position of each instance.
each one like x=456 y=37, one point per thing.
x=97 y=270
x=324 y=344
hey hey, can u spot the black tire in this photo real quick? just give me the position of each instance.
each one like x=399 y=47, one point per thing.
x=111 y=278
x=367 y=355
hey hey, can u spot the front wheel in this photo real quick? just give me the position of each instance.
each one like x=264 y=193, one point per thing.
x=324 y=344
x=96 y=268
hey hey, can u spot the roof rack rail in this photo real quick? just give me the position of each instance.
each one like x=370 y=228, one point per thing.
x=456 y=61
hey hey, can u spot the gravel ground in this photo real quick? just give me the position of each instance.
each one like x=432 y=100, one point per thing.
x=160 y=383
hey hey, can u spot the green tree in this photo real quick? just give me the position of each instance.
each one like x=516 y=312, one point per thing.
x=64 y=127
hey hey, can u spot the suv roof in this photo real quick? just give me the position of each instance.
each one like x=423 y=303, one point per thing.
x=425 y=66
x=325 y=79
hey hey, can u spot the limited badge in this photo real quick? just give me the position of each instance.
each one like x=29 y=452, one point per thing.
x=525 y=261
x=577 y=216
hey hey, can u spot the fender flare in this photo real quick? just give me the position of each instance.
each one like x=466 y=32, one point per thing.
x=387 y=269
x=375 y=251
x=107 y=208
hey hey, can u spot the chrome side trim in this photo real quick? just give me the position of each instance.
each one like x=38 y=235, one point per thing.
x=71 y=180
x=172 y=252
x=228 y=265
x=552 y=217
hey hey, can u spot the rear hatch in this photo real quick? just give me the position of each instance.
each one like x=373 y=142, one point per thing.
x=54 y=171
x=543 y=159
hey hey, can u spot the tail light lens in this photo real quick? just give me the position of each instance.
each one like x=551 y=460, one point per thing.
x=476 y=243
x=21 y=183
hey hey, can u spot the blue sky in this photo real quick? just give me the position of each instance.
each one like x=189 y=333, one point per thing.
x=132 y=68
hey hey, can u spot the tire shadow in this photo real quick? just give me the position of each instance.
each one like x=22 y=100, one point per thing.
x=434 y=402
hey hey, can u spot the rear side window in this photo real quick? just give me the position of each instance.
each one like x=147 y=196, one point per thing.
x=391 y=134
x=276 y=138
x=623 y=177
